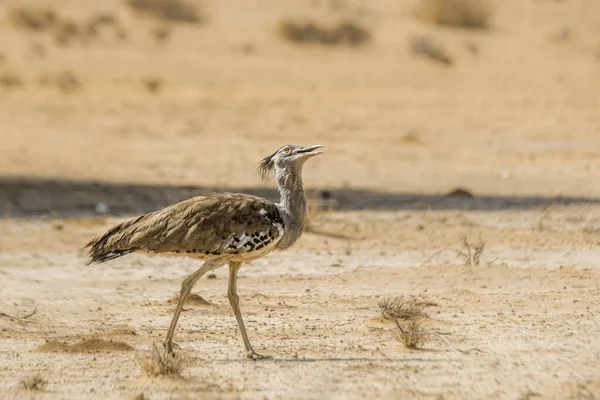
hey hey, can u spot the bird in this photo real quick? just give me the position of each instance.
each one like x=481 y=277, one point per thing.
x=219 y=229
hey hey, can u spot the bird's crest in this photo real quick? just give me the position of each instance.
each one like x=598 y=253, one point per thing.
x=266 y=166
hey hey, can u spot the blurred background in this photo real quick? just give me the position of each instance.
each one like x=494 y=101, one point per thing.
x=134 y=104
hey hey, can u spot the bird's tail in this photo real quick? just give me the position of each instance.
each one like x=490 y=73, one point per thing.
x=111 y=244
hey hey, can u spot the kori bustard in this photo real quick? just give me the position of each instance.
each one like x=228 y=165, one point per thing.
x=220 y=229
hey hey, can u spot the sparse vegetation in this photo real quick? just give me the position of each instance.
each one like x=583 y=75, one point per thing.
x=161 y=33
x=101 y=19
x=152 y=85
x=63 y=30
x=168 y=10
x=10 y=80
x=411 y=137
x=33 y=19
x=160 y=363
x=35 y=383
x=66 y=81
x=393 y=308
x=472 y=253
x=411 y=310
x=66 y=31
x=469 y=14
x=413 y=337
x=425 y=46
x=344 y=33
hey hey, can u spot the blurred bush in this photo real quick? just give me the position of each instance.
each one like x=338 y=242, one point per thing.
x=470 y=14
x=344 y=33
x=168 y=10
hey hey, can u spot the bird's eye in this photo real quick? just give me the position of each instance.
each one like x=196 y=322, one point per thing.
x=287 y=150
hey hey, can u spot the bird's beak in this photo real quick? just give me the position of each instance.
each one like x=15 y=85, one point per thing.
x=310 y=150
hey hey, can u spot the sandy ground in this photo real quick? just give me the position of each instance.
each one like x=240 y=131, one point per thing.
x=514 y=121
x=531 y=309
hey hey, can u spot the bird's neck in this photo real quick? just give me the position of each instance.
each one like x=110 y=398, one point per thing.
x=292 y=204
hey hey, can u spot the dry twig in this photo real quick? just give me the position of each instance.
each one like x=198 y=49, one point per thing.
x=413 y=333
x=471 y=255
x=20 y=320
x=397 y=307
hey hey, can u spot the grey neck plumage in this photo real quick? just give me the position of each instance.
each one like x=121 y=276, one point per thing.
x=292 y=205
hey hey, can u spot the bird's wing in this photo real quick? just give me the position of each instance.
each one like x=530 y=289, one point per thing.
x=217 y=224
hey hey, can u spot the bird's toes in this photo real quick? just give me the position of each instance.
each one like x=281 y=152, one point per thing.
x=169 y=348
x=255 y=356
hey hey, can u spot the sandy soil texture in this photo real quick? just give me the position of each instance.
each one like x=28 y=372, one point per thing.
x=525 y=320
x=103 y=105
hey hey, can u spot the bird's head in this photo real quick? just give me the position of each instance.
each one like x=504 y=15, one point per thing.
x=289 y=156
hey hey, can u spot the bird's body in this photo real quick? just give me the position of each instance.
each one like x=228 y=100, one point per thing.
x=239 y=227
x=222 y=228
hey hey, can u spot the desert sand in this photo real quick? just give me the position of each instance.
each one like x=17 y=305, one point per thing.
x=133 y=118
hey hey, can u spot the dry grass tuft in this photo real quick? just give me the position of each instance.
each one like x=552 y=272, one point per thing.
x=168 y=10
x=411 y=137
x=66 y=81
x=161 y=33
x=33 y=19
x=473 y=251
x=152 y=85
x=344 y=33
x=160 y=363
x=412 y=337
x=471 y=255
x=10 y=80
x=63 y=30
x=35 y=383
x=393 y=308
x=469 y=14
x=66 y=31
x=97 y=24
x=424 y=46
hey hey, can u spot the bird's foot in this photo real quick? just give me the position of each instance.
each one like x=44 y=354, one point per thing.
x=168 y=345
x=255 y=356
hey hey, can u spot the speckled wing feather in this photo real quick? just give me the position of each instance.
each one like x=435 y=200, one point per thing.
x=214 y=225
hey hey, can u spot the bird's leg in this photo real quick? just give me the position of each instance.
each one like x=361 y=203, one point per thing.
x=186 y=287
x=234 y=300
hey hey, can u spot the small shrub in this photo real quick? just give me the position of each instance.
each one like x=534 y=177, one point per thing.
x=167 y=10
x=424 y=46
x=65 y=31
x=412 y=337
x=97 y=22
x=160 y=33
x=152 y=85
x=160 y=363
x=33 y=19
x=35 y=383
x=344 y=33
x=393 y=308
x=10 y=80
x=65 y=81
x=469 y=14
